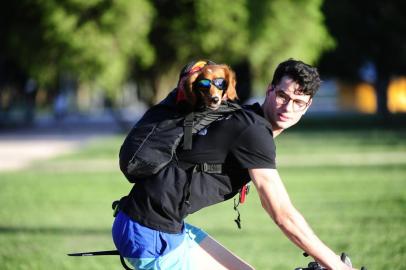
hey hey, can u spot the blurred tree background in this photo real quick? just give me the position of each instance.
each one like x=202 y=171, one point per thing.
x=368 y=33
x=99 y=46
x=93 y=41
x=252 y=36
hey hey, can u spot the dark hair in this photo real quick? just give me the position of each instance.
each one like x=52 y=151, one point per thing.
x=305 y=75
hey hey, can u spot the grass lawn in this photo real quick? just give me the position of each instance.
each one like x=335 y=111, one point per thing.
x=350 y=186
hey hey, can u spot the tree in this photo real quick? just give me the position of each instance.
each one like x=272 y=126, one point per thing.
x=103 y=42
x=254 y=36
x=185 y=30
x=367 y=31
x=281 y=29
x=94 y=41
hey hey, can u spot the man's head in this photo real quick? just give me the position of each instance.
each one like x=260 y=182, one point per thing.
x=290 y=94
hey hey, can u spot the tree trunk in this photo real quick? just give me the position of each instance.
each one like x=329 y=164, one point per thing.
x=164 y=82
x=244 y=87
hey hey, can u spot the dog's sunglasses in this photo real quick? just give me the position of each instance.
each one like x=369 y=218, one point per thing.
x=219 y=83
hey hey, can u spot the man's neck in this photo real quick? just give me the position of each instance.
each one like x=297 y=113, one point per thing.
x=275 y=131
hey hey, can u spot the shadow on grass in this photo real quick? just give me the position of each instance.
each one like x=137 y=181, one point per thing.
x=53 y=230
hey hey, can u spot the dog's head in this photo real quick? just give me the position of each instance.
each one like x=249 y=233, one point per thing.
x=211 y=85
x=187 y=76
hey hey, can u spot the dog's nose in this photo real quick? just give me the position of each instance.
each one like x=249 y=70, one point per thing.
x=215 y=99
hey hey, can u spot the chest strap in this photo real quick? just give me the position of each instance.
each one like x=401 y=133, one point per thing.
x=208 y=167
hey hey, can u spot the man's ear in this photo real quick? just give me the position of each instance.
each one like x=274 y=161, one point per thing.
x=270 y=88
x=308 y=105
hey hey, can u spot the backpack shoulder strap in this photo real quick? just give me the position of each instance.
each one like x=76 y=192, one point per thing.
x=188 y=131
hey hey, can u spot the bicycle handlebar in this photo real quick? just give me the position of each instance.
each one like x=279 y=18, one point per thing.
x=316 y=266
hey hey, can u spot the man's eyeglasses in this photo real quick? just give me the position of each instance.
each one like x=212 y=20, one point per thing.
x=282 y=99
x=219 y=83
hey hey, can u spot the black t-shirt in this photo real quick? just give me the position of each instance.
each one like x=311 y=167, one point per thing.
x=239 y=142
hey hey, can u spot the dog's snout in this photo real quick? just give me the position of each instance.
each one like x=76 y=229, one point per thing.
x=215 y=99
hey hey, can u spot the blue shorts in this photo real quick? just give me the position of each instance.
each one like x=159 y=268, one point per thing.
x=146 y=248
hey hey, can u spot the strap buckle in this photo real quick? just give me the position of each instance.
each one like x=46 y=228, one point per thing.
x=204 y=167
x=188 y=122
x=208 y=167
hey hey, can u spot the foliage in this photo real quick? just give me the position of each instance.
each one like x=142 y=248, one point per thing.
x=105 y=42
x=282 y=29
x=95 y=41
x=186 y=30
x=262 y=33
x=206 y=28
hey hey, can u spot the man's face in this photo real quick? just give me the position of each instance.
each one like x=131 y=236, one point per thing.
x=284 y=104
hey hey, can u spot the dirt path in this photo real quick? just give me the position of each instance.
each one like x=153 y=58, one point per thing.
x=47 y=138
x=17 y=151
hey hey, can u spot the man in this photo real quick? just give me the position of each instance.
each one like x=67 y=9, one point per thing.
x=150 y=230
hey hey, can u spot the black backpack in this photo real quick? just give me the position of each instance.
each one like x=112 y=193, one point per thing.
x=152 y=142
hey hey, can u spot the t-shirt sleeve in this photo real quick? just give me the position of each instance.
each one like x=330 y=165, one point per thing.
x=255 y=148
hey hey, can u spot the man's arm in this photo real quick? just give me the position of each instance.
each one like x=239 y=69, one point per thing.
x=276 y=202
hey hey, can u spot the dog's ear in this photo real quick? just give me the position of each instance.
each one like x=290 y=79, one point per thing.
x=231 y=92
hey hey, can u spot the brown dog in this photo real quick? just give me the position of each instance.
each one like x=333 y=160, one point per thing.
x=210 y=85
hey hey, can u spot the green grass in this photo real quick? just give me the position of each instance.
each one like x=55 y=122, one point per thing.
x=349 y=184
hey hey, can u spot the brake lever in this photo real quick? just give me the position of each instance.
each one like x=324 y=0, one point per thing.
x=311 y=265
x=345 y=259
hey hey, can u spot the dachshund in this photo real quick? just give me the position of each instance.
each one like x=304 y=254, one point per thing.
x=209 y=86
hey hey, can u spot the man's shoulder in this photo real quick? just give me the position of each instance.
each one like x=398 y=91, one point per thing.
x=252 y=115
x=254 y=108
